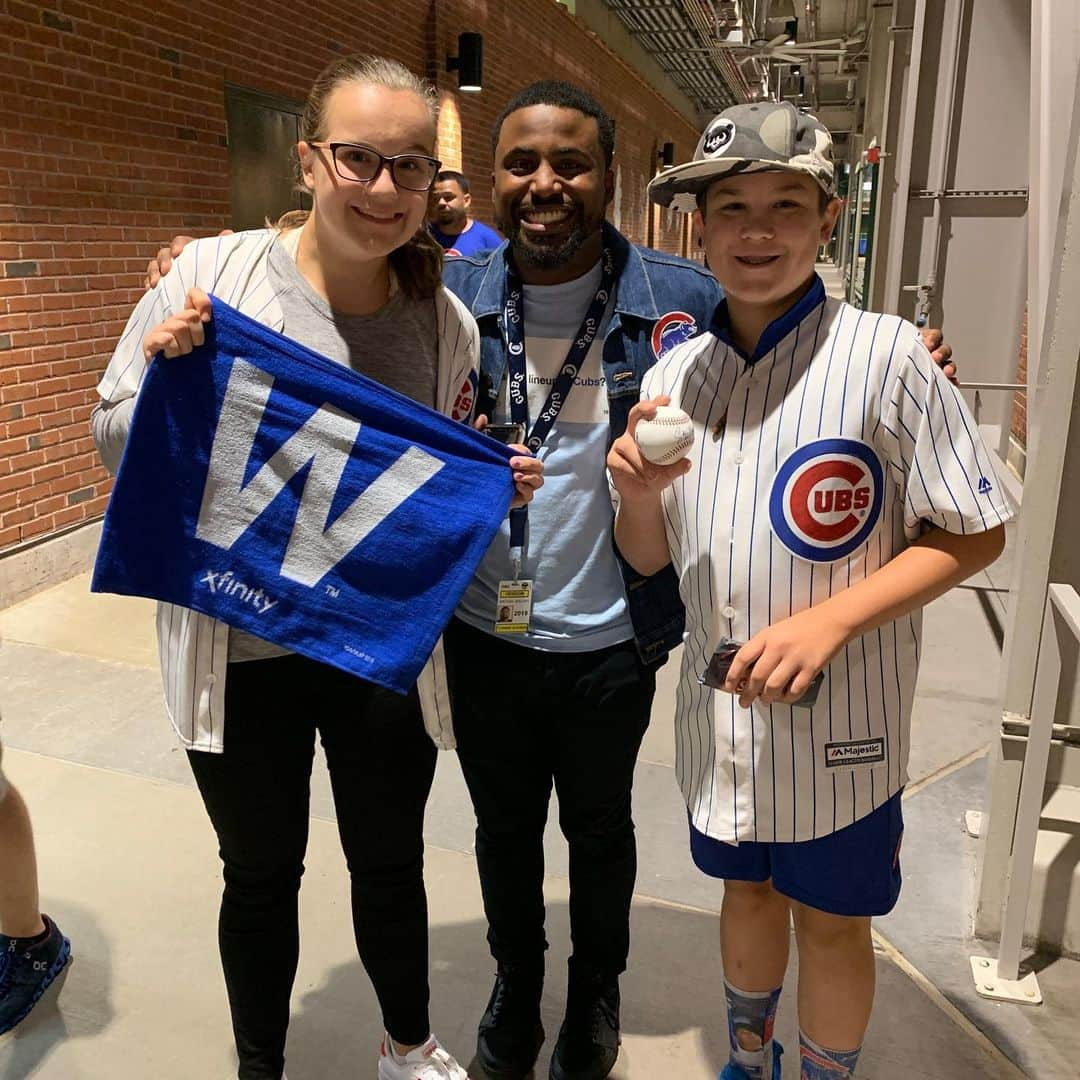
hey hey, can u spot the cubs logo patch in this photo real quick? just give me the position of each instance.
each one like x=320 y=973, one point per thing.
x=826 y=499
x=718 y=137
x=670 y=330
x=465 y=399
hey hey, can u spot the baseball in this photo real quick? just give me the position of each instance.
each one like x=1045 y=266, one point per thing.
x=667 y=437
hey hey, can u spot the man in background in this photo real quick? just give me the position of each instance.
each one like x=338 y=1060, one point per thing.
x=449 y=221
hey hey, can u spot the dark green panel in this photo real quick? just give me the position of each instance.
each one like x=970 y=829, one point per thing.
x=263 y=131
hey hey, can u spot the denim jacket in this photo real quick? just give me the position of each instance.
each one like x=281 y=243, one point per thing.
x=660 y=300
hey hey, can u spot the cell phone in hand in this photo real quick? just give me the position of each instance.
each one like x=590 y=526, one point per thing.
x=506 y=433
x=720 y=664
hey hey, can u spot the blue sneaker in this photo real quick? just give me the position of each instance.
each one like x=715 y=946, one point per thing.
x=26 y=973
x=733 y=1072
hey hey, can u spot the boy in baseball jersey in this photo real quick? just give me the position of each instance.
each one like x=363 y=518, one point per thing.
x=836 y=485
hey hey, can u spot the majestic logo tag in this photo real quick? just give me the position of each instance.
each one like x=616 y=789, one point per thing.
x=855 y=752
x=826 y=499
x=325 y=440
x=670 y=330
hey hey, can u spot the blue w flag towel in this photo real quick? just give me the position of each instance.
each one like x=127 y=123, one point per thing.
x=285 y=494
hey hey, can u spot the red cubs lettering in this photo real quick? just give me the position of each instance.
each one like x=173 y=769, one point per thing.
x=842 y=499
x=463 y=403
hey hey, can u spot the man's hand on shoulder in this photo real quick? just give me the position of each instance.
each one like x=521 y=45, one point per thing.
x=161 y=263
x=940 y=352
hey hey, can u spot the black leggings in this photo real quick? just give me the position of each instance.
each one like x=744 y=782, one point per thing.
x=257 y=792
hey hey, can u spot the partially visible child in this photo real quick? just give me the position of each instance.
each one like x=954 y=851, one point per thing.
x=837 y=484
x=33 y=951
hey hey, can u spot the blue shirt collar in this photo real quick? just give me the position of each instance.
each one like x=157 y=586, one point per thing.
x=777 y=330
x=633 y=293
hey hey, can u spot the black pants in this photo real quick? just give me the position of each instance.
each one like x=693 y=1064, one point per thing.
x=527 y=719
x=381 y=766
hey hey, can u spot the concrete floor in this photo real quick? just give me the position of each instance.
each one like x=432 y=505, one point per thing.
x=129 y=870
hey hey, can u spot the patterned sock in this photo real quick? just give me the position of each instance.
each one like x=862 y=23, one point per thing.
x=750 y=1029
x=817 y=1063
x=15 y=944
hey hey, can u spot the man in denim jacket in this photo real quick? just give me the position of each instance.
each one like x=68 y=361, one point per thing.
x=567 y=702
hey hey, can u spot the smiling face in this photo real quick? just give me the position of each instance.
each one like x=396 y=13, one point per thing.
x=367 y=220
x=762 y=232
x=551 y=188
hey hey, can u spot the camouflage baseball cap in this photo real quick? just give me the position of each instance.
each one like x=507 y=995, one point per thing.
x=765 y=136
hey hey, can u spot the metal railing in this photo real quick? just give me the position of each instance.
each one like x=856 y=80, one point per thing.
x=1000 y=978
x=978 y=387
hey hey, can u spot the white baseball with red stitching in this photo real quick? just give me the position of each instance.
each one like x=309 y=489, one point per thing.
x=667 y=437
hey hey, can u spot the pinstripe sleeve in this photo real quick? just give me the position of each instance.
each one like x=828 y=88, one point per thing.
x=647 y=383
x=949 y=476
x=459 y=355
x=125 y=369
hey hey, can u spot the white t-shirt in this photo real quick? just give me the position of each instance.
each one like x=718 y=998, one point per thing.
x=579 y=599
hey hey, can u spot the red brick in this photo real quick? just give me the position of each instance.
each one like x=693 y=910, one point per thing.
x=37 y=527
x=99 y=177
x=47 y=472
x=17 y=517
x=69 y=515
x=33 y=494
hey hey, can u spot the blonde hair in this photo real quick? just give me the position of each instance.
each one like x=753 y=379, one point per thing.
x=417 y=264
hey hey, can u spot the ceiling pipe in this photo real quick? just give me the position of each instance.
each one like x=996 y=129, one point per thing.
x=732 y=75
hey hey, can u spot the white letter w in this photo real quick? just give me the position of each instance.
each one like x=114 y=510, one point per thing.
x=326 y=440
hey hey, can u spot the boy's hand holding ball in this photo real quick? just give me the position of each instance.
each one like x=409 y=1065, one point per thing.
x=666 y=437
x=652 y=452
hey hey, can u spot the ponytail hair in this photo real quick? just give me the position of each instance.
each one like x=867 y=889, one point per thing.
x=417 y=264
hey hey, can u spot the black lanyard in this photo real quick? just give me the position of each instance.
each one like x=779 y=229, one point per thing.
x=517 y=390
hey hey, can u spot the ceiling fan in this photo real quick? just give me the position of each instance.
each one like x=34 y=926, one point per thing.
x=784 y=49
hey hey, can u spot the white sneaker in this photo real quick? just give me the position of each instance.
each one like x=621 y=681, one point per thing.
x=427 y=1062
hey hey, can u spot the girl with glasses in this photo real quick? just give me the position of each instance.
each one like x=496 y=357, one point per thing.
x=358 y=279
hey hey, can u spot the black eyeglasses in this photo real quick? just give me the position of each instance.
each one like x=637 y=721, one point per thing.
x=354 y=161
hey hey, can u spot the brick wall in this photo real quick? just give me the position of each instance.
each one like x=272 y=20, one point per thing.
x=1019 y=413
x=113 y=138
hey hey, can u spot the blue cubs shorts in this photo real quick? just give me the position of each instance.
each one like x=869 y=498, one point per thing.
x=853 y=871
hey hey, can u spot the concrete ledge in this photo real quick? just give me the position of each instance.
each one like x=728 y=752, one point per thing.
x=27 y=570
x=1016 y=457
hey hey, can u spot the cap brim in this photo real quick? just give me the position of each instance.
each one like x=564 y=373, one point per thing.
x=680 y=186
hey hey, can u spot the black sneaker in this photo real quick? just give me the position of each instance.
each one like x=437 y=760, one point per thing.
x=589 y=1038
x=26 y=972
x=511 y=1034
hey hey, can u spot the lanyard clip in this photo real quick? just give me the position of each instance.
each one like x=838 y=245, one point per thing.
x=515 y=561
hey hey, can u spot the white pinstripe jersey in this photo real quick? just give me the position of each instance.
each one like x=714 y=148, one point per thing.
x=812 y=467
x=193 y=647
